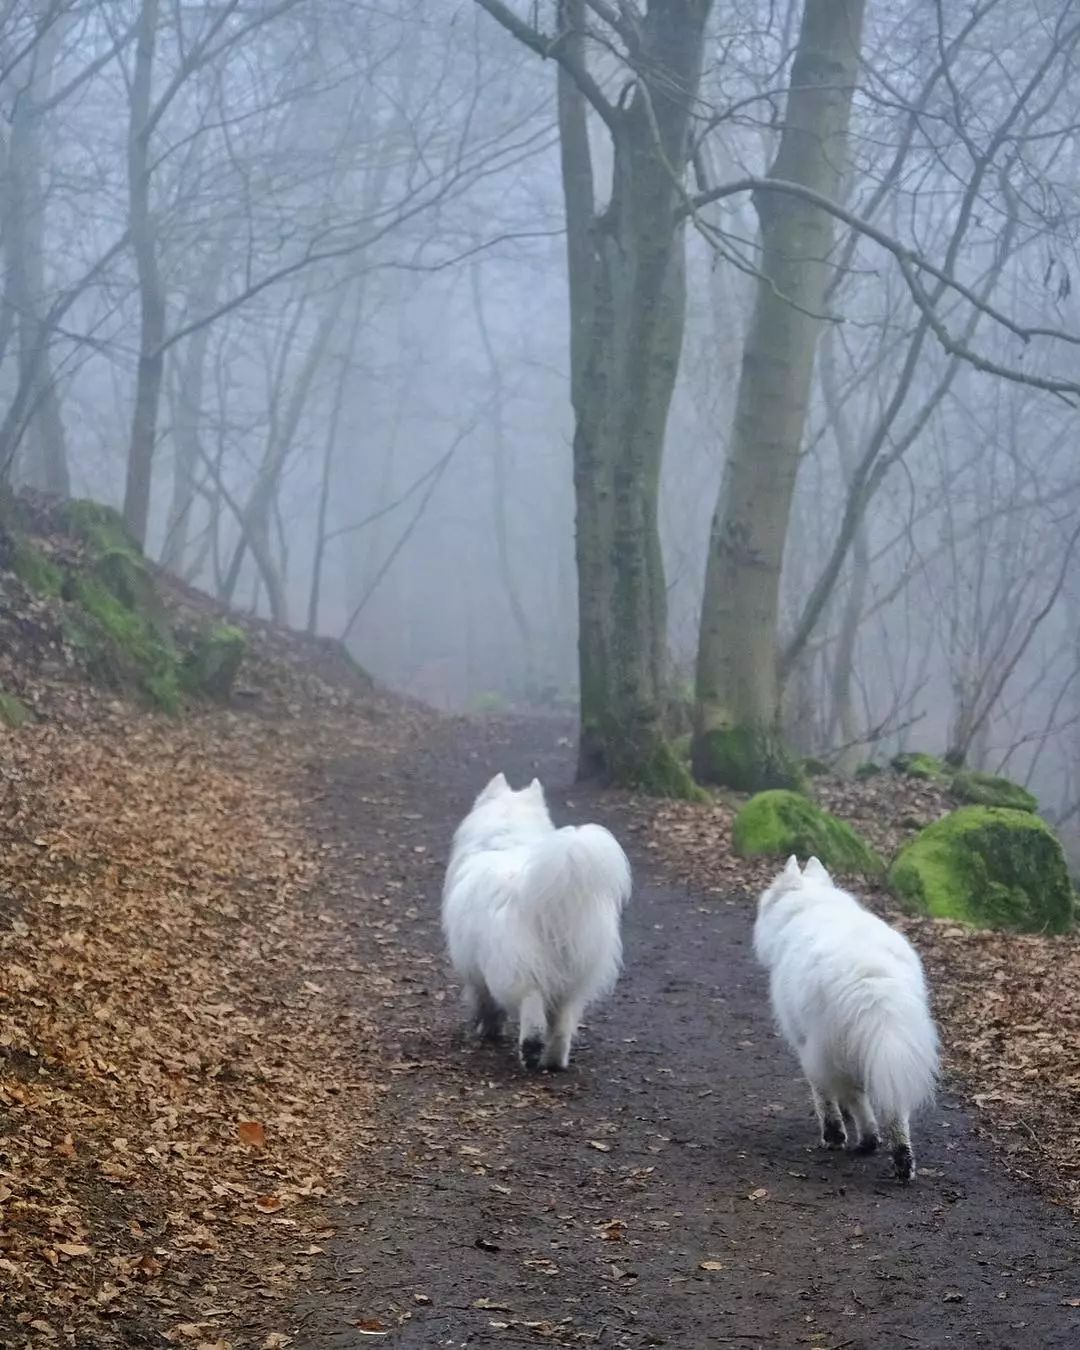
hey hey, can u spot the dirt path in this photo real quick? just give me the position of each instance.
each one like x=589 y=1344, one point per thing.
x=666 y=1191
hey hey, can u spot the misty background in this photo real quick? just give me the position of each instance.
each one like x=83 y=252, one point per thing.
x=335 y=233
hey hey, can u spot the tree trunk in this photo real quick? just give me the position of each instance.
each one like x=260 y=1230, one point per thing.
x=842 y=717
x=187 y=414
x=140 y=465
x=627 y=305
x=46 y=465
x=499 y=454
x=737 y=741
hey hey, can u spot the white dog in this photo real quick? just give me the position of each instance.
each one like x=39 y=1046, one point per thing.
x=531 y=916
x=850 y=999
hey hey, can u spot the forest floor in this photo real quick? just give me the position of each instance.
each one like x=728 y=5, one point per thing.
x=236 y=1108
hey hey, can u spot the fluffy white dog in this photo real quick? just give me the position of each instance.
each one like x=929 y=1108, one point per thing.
x=850 y=999
x=531 y=916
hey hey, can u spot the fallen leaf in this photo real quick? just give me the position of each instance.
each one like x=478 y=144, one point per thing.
x=268 y=1204
x=711 y=1265
x=599 y=1145
x=252 y=1133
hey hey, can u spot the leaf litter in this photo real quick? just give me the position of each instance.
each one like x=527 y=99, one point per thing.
x=179 y=1076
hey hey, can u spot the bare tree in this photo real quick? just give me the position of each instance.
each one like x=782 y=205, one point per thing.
x=627 y=313
x=736 y=738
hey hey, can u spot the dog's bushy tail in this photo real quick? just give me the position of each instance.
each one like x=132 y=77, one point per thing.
x=573 y=887
x=899 y=1052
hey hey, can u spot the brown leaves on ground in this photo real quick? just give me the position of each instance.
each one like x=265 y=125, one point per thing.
x=1008 y=1005
x=174 y=1097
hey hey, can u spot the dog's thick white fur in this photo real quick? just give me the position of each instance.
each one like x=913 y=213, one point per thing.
x=532 y=919
x=850 y=999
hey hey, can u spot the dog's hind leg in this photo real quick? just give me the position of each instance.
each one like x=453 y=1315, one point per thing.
x=561 y=1026
x=898 y=1134
x=490 y=1018
x=865 y=1139
x=532 y=1030
x=833 y=1134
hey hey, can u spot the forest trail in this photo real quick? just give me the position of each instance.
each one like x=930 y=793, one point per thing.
x=667 y=1191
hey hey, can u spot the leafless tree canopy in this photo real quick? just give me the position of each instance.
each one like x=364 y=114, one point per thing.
x=715 y=367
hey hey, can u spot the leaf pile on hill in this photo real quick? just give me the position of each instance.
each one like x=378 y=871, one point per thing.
x=1008 y=1005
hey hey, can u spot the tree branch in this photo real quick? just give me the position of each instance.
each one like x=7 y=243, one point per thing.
x=554 y=48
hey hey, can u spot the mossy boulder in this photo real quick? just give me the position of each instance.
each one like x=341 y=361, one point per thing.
x=988 y=866
x=13 y=712
x=918 y=764
x=34 y=569
x=115 y=617
x=985 y=789
x=868 y=769
x=100 y=526
x=749 y=758
x=213 y=661
x=778 y=823
x=815 y=768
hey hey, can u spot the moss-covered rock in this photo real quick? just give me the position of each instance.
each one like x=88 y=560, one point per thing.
x=815 y=768
x=918 y=764
x=13 y=712
x=778 y=823
x=985 y=789
x=100 y=526
x=213 y=661
x=115 y=617
x=122 y=645
x=745 y=758
x=34 y=569
x=868 y=769
x=988 y=866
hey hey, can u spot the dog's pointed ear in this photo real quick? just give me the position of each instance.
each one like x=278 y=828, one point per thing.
x=536 y=788
x=816 y=871
x=497 y=785
x=791 y=868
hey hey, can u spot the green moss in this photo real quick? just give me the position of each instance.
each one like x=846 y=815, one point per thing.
x=13 y=712
x=34 y=569
x=988 y=866
x=489 y=704
x=984 y=789
x=100 y=526
x=681 y=747
x=778 y=823
x=815 y=768
x=661 y=774
x=918 y=764
x=746 y=758
x=123 y=645
x=213 y=661
x=868 y=769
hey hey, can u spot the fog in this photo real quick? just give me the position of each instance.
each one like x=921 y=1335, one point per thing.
x=336 y=234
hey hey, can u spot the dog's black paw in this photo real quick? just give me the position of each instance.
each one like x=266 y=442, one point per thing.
x=532 y=1051
x=833 y=1134
x=869 y=1143
x=903 y=1163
